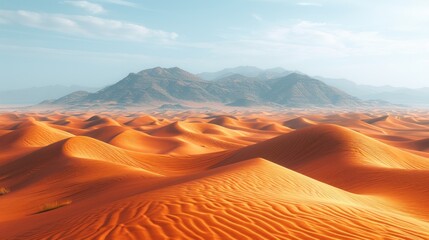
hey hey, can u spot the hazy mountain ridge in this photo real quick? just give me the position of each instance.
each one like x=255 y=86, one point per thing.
x=396 y=95
x=248 y=71
x=297 y=88
x=174 y=85
x=244 y=85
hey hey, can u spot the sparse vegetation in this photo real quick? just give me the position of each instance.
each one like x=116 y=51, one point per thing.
x=54 y=205
x=4 y=190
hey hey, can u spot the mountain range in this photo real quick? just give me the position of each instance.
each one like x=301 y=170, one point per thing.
x=395 y=95
x=173 y=85
x=249 y=81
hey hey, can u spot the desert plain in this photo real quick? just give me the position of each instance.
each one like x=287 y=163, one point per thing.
x=307 y=174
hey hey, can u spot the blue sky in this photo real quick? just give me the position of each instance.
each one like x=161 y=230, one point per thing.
x=98 y=42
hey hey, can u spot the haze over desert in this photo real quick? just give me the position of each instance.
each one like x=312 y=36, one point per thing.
x=214 y=175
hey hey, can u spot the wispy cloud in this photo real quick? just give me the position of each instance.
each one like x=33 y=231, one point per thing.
x=314 y=40
x=331 y=38
x=309 y=4
x=87 y=6
x=257 y=17
x=122 y=3
x=85 y=26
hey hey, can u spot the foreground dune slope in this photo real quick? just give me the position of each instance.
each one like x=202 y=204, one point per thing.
x=191 y=175
x=348 y=160
x=268 y=201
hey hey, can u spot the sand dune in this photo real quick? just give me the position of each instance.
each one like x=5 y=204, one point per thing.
x=347 y=147
x=275 y=127
x=142 y=120
x=420 y=145
x=97 y=121
x=202 y=175
x=37 y=135
x=298 y=123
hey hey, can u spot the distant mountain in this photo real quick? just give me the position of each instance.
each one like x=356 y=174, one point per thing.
x=70 y=98
x=248 y=71
x=304 y=90
x=158 y=86
x=237 y=87
x=396 y=95
x=37 y=94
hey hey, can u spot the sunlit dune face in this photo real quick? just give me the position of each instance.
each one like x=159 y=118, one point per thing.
x=207 y=175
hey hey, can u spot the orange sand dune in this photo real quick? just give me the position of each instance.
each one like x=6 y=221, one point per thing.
x=37 y=135
x=214 y=175
x=141 y=121
x=97 y=121
x=420 y=145
x=298 y=123
x=391 y=122
x=348 y=147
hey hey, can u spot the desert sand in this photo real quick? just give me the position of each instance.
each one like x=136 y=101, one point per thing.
x=307 y=174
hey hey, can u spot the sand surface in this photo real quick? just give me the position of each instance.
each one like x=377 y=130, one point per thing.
x=214 y=175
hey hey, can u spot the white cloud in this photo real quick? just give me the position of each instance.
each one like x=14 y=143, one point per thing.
x=322 y=37
x=85 y=26
x=309 y=4
x=308 y=41
x=329 y=50
x=87 y=6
